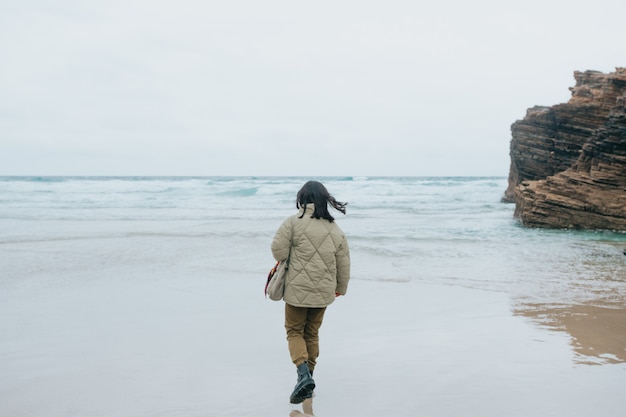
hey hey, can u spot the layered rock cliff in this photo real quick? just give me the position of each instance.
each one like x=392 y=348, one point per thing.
x=568 y=162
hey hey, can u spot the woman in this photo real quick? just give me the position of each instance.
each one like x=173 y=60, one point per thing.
x=318 y=259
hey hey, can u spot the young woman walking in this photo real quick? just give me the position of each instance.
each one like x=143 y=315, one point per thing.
x=318 y=259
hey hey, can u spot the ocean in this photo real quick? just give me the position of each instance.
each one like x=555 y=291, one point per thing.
x=140 y=288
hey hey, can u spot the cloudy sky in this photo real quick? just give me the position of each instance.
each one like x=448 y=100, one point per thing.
x=248 y=87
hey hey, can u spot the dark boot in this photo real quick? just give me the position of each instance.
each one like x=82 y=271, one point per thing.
x=304 y=387
x=310 y=395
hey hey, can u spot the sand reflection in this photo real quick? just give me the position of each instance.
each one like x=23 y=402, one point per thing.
x=307 y=409
x=598 y=334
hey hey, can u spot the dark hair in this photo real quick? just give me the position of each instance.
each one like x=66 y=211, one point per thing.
x=314 y=192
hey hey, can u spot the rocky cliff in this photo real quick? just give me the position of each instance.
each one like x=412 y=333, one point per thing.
x=568 y=162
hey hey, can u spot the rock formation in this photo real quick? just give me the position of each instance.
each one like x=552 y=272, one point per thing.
x=568 y=162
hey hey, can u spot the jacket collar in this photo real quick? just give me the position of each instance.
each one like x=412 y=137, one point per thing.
x=310 y=208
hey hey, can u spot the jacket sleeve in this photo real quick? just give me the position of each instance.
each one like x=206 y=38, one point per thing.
x=282 y=241
x=342 y=257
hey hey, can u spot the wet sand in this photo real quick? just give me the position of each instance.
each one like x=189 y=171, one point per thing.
x=198 y=347
x=81 y=335
x=598 y=334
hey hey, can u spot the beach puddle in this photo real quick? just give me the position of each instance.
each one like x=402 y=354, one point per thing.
x=598 y=333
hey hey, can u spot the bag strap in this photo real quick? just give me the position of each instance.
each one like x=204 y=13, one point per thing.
x=269 y=277
x=290 y=246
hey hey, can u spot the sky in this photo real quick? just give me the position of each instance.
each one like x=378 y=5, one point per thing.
x=244 y=87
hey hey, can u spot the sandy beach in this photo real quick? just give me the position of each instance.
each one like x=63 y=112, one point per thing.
x=129 y=340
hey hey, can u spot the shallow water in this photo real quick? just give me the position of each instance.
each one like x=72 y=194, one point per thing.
x=143 y=297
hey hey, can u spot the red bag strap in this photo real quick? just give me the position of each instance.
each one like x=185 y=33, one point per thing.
x=270 y=275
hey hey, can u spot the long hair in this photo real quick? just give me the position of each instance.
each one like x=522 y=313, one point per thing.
x=314 y=192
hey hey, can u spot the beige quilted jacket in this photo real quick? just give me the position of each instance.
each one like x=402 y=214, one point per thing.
x=319 y=264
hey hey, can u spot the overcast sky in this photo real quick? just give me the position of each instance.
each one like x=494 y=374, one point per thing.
x=250 y=87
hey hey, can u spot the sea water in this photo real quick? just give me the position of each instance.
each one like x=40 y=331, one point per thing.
x=118 y=284
x=450 y=230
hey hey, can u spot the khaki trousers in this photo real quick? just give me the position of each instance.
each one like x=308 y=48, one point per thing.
x=303 y=325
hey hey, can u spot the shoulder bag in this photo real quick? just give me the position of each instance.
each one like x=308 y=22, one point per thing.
x=275 y=285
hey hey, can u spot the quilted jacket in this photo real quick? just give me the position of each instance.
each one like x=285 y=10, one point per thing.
x=319 y=263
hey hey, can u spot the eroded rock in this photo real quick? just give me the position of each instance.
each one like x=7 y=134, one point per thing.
x=568 y=162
